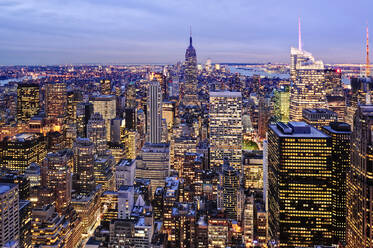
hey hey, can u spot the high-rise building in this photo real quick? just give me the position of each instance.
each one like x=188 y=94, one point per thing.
x=360 y=180
x=248 y=221
x=190 y=76
x=22 y=182
x=32 y=173
x=83 y=114
x=106 y=106
x=55 y=100
x=131 y=118
x=125 y=172
x=231 y=184
x=319 y=117
x=308 y=83
x=56 y=141
x=264 y=116
x=121 y=233
x=129 y=139
x=218 y=229
x=56 y=176
x=125 y=201
x=48 y=227
x=104 y=166
x=84 y=178
x=361 y=90
x=153 y=163
x=117 y=150
x=282 y=105
x=105 y=86
x=172 y=193
x=96 y=132
x=28 y=101
x=25 y=224
x=340 y=134
x=9 y=214
x=300 y=189
x=19 y=151
x=130 y=95
x=252 y=164
x=225 y=128
x=337 y=104
x=154 y=113
x=168 y=113
x=181 y=145
x=74 y=97
x=116 y=125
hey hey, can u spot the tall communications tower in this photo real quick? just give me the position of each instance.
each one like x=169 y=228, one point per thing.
x=367 y=69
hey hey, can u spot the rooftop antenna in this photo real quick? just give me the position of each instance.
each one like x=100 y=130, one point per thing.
x=190 y=34
x=299 y=35
x=367 y=69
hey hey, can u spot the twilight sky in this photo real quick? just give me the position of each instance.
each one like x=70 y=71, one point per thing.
x=157 y=31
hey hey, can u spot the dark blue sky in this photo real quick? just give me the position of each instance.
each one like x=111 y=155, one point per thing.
x=152 y=31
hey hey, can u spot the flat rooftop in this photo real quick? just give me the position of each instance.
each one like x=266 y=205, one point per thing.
x=296 y=130
x=318 y=111
x=225 y=94
x=22 y=137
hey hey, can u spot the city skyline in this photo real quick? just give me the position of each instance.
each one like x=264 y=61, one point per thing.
x=47 y=32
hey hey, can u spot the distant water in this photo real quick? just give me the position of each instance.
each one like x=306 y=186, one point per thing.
x=6 y=81
x=251 y=71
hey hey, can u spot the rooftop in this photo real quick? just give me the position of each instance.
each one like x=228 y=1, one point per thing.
x=318 y=111
x=22 y=137
x=225 y=94
x=296 y=130
x=5 y=187
x=338 y=127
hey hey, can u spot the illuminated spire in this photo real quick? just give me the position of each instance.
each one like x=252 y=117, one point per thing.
x=367 y=69
x=190 y=39
x=299 y=35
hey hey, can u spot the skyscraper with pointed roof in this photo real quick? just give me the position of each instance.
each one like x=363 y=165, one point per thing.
x=190 y=75
x=311 y=82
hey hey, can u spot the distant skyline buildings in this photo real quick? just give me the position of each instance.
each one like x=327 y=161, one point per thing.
x=76 y=37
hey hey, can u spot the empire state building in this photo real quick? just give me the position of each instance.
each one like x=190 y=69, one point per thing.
x=190 y=76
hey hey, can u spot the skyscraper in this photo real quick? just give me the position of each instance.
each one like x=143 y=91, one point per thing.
x=84 y=179
x=19 y=151
x=96 y=132
x=307 y=89
x=300 y=185
x=106 y=106
x=311 y=82
x=340 y=134
x=153 y=163
x=56 y=176
x=9 y=214
x=360 y=180
x=225 y=128
x=55 y=100
x=281 y=105
x=130 y=95
x=231 y=184
x=319 y=117
x=74 y=97
x=28 y=100
x=154 y=113
x=83 y=114
x=190 y=76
